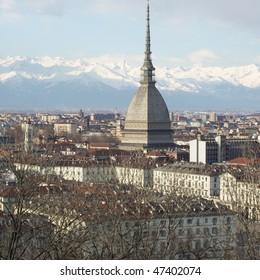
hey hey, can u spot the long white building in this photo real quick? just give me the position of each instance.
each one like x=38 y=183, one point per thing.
x=187 y=179
x=182 y=178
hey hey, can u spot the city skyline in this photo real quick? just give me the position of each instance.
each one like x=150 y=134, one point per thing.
x=175 y=176
x=184 y=34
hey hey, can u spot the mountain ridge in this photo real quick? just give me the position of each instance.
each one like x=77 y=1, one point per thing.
x=46 y=80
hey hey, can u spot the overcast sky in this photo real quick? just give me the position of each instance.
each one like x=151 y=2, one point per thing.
x=184 y=32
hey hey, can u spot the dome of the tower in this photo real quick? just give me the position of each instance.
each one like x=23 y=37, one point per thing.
x=147 y=105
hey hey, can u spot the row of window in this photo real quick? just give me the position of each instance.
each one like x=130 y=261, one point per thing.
x=178 y=175
x=198 y=221
x=180 y=222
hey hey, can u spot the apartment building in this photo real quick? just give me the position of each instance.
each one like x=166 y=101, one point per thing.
x=186 y=178
x=220 y=149
x=65 y=128
x=192 y=228
x=241 y=191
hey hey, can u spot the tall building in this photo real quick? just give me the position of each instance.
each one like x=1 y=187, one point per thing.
x=213 y=117
x=221 y=149
x=147 y=122
x=28 y=136
x=202 y=151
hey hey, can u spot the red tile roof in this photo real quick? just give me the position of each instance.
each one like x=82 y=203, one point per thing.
x=244 y=161
x=102 y=145
x=8 y=191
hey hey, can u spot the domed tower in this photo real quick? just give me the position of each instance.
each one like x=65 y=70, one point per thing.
x=147 y=122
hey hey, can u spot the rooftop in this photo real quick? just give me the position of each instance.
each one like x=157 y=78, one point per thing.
x=191 y=168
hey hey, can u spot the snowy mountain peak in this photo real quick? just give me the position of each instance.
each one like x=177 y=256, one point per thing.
x=49 y=75
x=178 y=78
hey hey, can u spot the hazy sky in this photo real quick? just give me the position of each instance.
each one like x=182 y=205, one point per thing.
x=184 y=32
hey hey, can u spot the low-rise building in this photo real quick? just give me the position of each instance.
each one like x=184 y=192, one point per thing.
x=65 y=128
x=241 y=191
x=187 y=179
x=8 y=196
x=183 y=228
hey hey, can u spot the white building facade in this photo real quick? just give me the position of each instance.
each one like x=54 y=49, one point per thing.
x=187 y=179
x=240 y=194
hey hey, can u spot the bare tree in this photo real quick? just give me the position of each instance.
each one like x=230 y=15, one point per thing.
x=39 y=221
x=51 y=218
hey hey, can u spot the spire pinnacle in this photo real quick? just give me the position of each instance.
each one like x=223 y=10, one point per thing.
x=148 y=36
x=147 y=68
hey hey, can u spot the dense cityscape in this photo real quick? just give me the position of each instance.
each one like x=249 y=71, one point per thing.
x=143 y=184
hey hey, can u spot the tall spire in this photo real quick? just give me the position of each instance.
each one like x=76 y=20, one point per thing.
x=147 y=68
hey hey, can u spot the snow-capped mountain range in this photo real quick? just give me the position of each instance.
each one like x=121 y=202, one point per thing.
x=45 y=82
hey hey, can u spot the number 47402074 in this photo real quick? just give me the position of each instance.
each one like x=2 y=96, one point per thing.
x=177 y=270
